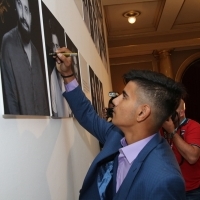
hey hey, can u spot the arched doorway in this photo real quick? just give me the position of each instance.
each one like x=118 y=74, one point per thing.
x=191 y=80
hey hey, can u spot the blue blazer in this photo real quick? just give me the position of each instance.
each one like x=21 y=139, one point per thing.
x=154 y=174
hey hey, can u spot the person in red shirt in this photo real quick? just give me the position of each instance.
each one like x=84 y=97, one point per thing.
x=183 y=134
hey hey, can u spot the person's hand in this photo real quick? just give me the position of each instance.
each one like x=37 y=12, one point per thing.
x=168 y=125
x=63 y=63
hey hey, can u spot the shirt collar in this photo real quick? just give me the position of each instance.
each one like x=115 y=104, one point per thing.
x=182 y=121
x=131 y=151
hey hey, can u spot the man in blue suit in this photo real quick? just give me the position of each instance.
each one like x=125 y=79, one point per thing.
x=136 y=163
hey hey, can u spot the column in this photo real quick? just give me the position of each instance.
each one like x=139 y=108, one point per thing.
x=165 y=66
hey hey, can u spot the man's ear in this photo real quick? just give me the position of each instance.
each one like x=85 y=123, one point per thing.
x=143 y=112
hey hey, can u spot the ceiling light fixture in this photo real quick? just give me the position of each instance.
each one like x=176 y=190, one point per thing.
x=131 y=15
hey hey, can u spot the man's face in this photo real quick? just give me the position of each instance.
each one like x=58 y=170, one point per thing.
x=124 y=112
x=181 y=109
x=55 y=43
x=24 y=15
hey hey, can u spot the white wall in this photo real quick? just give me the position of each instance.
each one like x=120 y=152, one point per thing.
x=43 y=158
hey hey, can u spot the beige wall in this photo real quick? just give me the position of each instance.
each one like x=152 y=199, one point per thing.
x=43 y=158
x=117 y=72
x=120 y=66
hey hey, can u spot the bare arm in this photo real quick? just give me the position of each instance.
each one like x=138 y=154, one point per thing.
x=190 y=152
x=80 y=105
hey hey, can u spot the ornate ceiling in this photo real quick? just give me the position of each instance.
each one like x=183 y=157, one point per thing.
x=162 y=24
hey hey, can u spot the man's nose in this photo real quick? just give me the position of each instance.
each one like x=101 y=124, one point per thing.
x=22 y=12
x=117 y=100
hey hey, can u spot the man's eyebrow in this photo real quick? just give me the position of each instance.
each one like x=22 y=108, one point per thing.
x=124 y=93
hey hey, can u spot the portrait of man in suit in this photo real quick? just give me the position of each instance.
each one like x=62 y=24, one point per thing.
x=22 y=61
x=54 y=38
x=75 y=59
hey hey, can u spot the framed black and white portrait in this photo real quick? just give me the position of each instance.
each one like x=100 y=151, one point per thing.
x=23 y=73
x=54 y=35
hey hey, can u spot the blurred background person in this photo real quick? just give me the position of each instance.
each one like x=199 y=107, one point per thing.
x=108 y=111
x=183 y=135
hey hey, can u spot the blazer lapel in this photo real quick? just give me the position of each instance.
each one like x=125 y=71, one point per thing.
x=136 y=165
x=112 y=146
x=108 y=153
x=124 y=188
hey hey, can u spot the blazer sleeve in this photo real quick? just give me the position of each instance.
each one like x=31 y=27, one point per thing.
x=87 y=116
x=172 y=188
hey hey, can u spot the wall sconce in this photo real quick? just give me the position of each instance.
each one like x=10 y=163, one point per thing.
x=131 y=15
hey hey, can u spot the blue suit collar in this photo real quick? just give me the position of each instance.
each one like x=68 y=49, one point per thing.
x=130 y=177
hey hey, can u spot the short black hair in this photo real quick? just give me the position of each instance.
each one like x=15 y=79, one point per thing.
x=159 y=90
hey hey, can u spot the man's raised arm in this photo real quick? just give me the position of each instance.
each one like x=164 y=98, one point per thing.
x=80 y=105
